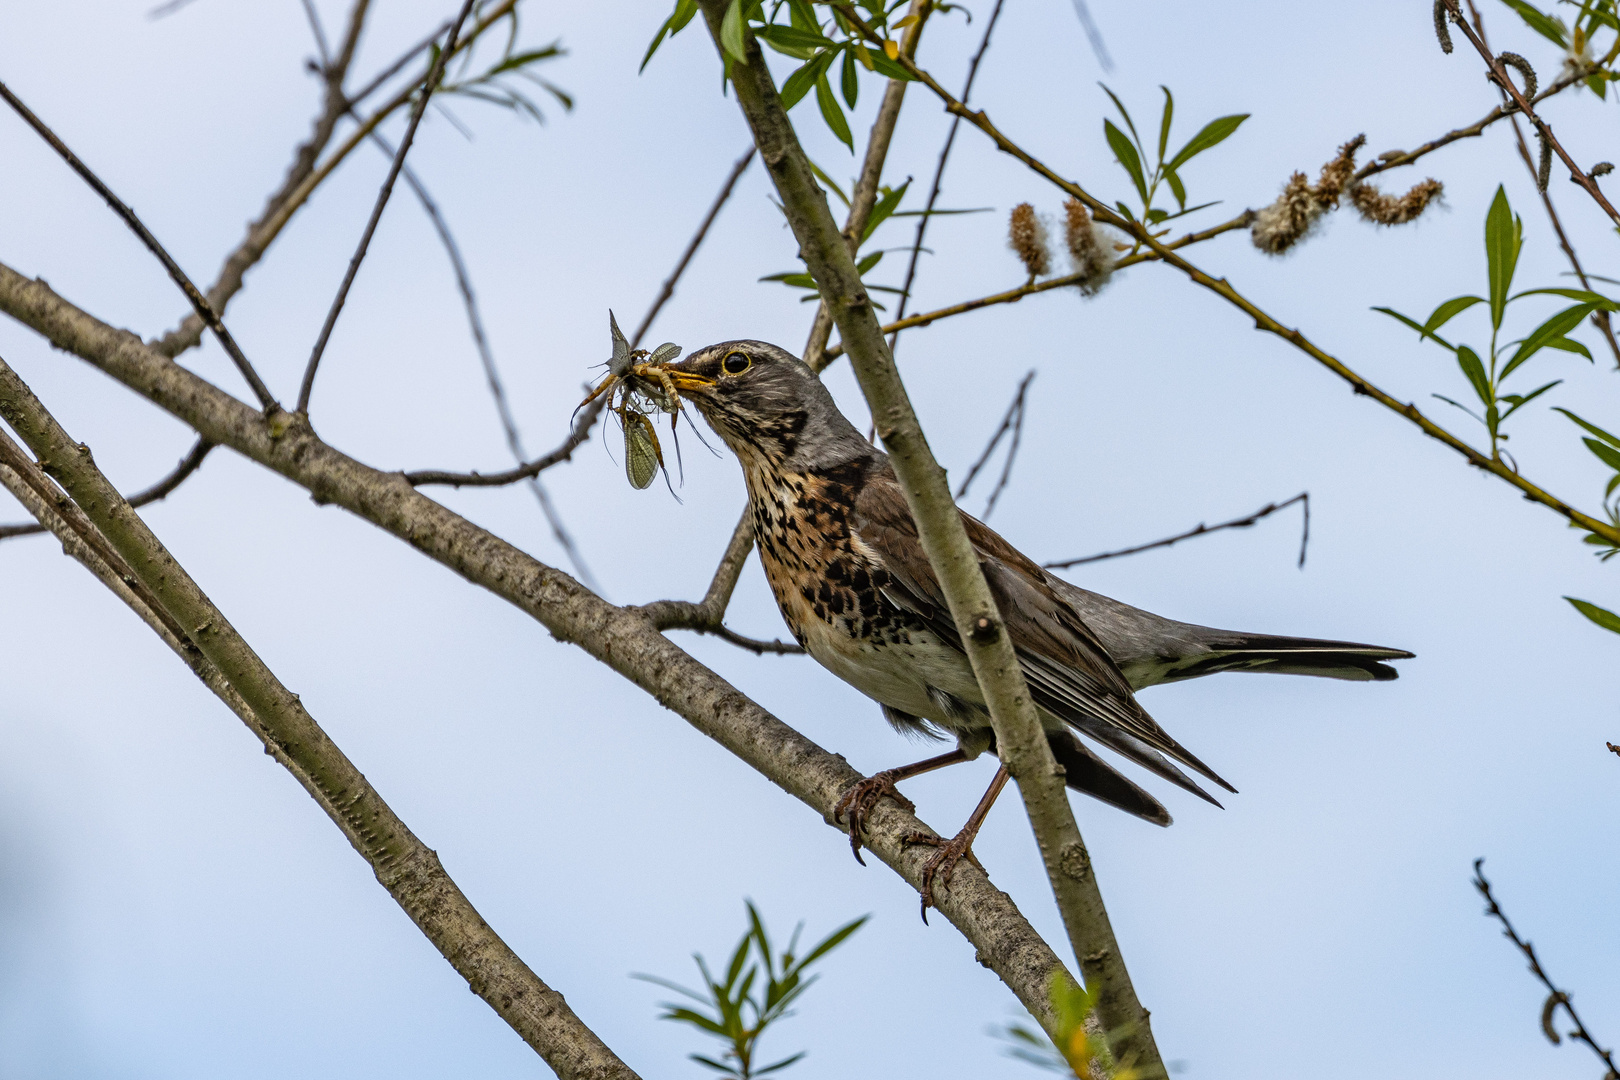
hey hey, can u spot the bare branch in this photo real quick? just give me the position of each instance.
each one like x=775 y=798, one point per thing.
x=1555 y=996
x=492 y=376
x=160 y=490
x=431 y=83
x=1014 y=420
x=199 y=303
x=622 y=639
x=667 y=290
x=405 y=866
x=304 y=175
x=1020 y=740
x=1264 y=322
x=945 y=153
x=1303 y=497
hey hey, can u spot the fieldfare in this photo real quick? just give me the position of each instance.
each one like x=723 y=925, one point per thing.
x=841 y=553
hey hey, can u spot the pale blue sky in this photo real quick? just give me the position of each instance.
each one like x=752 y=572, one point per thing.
x=172 y=905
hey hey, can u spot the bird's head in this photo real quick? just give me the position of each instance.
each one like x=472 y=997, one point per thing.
x=766 y=404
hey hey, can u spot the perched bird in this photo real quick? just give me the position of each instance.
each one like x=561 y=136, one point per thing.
x=842 y=555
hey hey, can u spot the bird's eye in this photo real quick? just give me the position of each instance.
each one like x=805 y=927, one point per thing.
x=736 y=363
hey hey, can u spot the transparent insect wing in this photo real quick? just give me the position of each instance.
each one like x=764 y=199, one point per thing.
x=641 y=456
x=665 y=353
x=620 y=364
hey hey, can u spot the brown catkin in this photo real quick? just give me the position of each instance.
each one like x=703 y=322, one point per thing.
x=1442 y=31
x=1285 y=222
x=1026 y=235
x=1090 y=250
x=1380 y=209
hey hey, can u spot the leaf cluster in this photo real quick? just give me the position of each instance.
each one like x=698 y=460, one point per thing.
x=501 y=83
x=1080 y=1050
x=794 y=28
x=759 y=987
x=1132 y=155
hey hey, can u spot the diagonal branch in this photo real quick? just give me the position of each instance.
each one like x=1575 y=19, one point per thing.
x=435 y=73
x=1222 y=288
x=1020 y=739
x=160 y=490
x=1267 y=510
x=200 y=633
x=199 y=302
x=621 y=638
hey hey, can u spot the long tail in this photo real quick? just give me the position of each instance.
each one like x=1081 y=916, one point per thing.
x=1286 y=656
x=1088 y=773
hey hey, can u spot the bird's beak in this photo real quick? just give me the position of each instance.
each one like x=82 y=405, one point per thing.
x=685 y=379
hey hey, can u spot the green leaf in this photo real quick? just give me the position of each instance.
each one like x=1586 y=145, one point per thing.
x=731 y=32
x=888 y=68
x=1177 y=190
x=1552 y=330
x=1518 y=401
x=825 y=179
x=830 y=942
x=1503 y=236
x=1164 y=122
x=1581 y=295
x=1606 y=454
x=851 y=82
x=831 y=113
x=784 y=1063
x=684 y=10
x=799 y=83
x=1468 y=360
x=1448 y=311
x=1602 y=616
x=803 y=16
x=1213 y=133
x=1572 y=346
x=1547 y=26
x=1127 y=155
x=1120 y=105
x=798 y=280
x=868 y=262
x=791 y=37
x=882 y=209
x=1414 y=324
x=1593 y=428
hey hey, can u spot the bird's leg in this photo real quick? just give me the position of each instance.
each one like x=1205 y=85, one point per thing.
x=959 y=847
x=859 y=800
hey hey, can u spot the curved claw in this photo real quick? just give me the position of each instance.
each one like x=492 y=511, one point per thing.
x=943 y=863
x=859 y=801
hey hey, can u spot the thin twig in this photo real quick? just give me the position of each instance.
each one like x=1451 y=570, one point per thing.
x=1264 y=322
x=318 y=32
x=1093 y=36
x=667 y=290
x=486 y=357
x=1030 y=288
x=1555 y=996
x=944 y=156
x=1498 y=74
x=160 y=490
x=435 y=72
x=1600 y=318
x=199 y=303
x=1014 y=420
x=1303 y=497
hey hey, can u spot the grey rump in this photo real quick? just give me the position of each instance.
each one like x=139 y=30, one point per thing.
x=841 y=553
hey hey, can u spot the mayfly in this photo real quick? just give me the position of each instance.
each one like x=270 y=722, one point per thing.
x=634 y=375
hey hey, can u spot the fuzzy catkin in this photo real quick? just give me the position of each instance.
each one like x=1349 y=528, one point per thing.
x=1090 y=251
x=1026 y=235
x=1380 y=209
x=1286 y=222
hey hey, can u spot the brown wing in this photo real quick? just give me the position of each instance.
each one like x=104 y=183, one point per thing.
x=1069 y=673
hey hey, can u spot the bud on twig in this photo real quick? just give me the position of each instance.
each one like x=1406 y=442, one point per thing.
x=1026 y=235
x=1090 y=251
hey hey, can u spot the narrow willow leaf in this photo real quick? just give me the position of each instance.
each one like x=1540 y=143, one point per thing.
x=684 y=10
x=799 y=83
x=1593 y=428
x=1448 y=311
x=1602 y=616
x=1414 y=324
x=831 y=113
x=1164 y=122
x=1549 y=27
x=850 y=83
x=1548 y=332
x=1502 y=238
x=1468 y=360
x=1212 y=134
x=731 y=32
x=1606 y=454
x=1120 y=105
x=1126 y=153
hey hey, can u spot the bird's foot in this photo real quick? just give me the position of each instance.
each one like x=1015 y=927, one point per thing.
x=859 y=801
x=942 y=864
